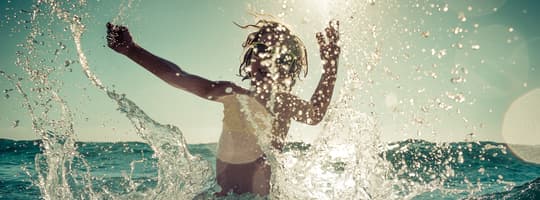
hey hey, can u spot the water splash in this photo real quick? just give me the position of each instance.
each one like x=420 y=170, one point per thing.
x=347 y=161
x=357 y=166
x=52 y=120
x=179 y=173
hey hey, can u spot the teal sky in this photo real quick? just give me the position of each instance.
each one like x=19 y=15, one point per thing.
x=434 y=70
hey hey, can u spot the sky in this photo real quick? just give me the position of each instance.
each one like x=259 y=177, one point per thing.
x=434 y=70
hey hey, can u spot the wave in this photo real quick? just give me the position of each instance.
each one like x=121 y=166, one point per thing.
x=459 y=155
x=464 y=166
x=529 y=190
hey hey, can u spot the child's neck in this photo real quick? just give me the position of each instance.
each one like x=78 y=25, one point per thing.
x=261 y=93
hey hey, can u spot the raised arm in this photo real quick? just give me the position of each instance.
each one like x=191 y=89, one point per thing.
x=312 y=112
x=120 y=40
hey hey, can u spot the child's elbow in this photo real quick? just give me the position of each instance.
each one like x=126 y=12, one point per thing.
x=314 y=120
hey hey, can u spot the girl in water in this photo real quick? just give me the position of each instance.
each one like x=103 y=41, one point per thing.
x=274 y=59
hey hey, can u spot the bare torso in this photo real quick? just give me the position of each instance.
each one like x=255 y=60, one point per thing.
x=251 y=171
x=241 y=163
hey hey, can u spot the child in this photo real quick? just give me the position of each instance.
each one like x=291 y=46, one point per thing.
x=273 y=60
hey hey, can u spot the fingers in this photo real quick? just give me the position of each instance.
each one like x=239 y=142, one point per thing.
x=111 y=32
x=111 y=27
x=332 y=32
x=334 y=24
x=115 y=31
x=115 y=28
x=328 y=41
x=112 y=35
x=320 y=39
x=329 y=34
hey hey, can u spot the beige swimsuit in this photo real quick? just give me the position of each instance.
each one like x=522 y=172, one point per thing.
x=243 y=117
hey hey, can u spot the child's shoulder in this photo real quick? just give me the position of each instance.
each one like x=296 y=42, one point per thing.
x=223 y=89
x=230 y=97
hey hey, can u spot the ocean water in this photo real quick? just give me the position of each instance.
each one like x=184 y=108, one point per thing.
x=478 y=170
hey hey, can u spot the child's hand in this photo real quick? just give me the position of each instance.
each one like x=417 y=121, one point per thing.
x=328 y=46
x=118 y=38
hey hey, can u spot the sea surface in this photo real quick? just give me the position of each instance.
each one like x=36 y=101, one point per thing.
x=483 y=170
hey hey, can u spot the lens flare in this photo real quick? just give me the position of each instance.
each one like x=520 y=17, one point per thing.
x=521 y=126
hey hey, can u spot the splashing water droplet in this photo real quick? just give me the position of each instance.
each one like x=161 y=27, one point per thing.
x=15 y=124
x=457 y=30
x=457 y=79
x=462 y=17
x=481 y=170
x=228 y=90
x=458 y=97
x=425 y=34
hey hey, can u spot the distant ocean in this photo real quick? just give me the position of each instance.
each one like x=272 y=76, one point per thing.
x=479 y=173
